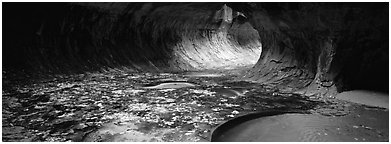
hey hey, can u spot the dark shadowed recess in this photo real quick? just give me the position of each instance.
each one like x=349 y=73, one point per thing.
x=321 y=45
x=304 y=45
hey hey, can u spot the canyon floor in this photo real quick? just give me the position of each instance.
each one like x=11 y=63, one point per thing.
x=123 y=106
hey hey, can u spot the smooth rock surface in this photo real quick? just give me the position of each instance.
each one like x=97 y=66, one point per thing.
x=369 y=98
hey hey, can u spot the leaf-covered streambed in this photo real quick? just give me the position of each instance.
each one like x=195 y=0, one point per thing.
x=118 y=106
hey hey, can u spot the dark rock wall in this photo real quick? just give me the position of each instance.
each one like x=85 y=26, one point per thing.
x=322 y=46
x=69 y=37
x=306 y=47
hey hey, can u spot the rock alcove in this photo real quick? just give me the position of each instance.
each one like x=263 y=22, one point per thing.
x=72 y=68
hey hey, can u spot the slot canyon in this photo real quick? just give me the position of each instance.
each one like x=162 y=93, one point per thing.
x=195 y=71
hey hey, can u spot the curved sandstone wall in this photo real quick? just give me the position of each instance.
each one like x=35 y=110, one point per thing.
x=138 y=36
x=321 y=47
x=303 y=47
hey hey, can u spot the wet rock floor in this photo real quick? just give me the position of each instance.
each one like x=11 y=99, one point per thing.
x=118 y=106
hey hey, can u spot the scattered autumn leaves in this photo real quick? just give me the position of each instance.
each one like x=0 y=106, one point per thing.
x=115 y=106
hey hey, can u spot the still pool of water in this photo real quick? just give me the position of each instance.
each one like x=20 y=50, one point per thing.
x=362 y=124
x=170 y=85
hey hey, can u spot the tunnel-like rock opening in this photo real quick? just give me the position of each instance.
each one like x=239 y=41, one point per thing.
x=176 y=71
x=139 y=36
x=306 y=47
